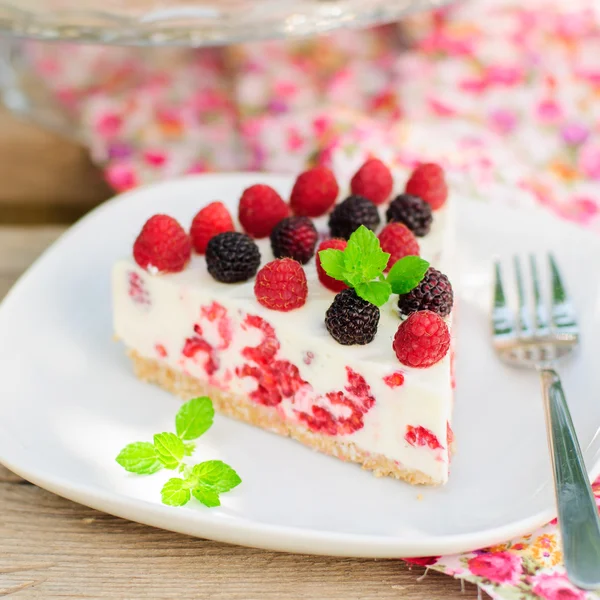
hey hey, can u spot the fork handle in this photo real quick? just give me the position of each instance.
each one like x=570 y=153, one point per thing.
x=577 y=511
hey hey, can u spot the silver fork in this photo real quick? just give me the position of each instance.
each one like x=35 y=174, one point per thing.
x=536 y=341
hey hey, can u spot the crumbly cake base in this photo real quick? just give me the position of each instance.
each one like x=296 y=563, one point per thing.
x=239 y=407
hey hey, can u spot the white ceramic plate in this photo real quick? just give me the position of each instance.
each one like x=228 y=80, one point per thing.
x=69 y=402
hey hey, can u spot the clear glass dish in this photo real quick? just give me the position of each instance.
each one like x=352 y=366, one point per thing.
x=193 y=22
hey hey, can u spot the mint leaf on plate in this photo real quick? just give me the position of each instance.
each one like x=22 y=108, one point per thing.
x=207 y=496
x=215 y=474
x=375 y=292
x=407 y=273
x=175 y=492
x=205 y=481
x=169 y=449
x=140 y=458
x=189 y=448
x=194 y=418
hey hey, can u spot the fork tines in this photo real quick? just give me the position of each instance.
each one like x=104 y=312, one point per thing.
x=538 y=323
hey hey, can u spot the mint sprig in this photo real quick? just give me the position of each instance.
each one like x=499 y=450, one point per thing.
x=204 y=481
x=362 y=263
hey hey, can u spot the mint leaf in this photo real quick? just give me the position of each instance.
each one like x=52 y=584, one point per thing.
x=175 y=492
x=364 y=259
x=216 y=475
x=332 y=262
x=194 y=418
x=207 y=496
x=169 y=449
x=407 y=273
x=140 y=458
x=375 y=292
x=189 y=448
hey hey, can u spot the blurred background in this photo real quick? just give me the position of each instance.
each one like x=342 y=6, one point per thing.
x=104 y=97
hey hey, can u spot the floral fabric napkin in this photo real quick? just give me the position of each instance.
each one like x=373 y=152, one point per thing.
x=511 y=91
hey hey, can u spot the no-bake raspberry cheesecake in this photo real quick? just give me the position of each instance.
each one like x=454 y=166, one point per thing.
x=326 y=322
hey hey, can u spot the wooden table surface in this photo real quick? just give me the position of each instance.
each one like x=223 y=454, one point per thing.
x=53 y=548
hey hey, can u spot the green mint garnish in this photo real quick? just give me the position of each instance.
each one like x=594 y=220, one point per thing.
x=140 y=458
x=207 y=496
x=215 y=474
x=375 y=292
x=361 y=267
x=364 y=260
x=205 y=480
x=169 y=448
x=194 y=418
x=175 y=492
x=189 y=448
x=407 y=273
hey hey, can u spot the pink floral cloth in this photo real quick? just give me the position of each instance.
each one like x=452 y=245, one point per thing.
x=505 y=95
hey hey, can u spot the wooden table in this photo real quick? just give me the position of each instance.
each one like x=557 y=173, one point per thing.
x=53 y=548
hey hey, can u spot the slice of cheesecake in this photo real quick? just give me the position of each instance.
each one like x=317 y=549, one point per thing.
x=283 y=371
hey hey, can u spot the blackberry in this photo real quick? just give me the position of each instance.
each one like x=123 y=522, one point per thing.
x=350 y=214
x=412 y=211
x=434 y=293
x=294 y=237
x=351 y=320
x=232 y=257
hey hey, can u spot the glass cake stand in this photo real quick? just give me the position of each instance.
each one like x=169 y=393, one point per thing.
x=148 y=24
x=193 y=22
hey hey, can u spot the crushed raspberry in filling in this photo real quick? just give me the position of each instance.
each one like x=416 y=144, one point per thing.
x=276 y=379
x=137 y=290
x=335 y=413
x=420 y=436
x=161 y=350
x=279 y=379
x=198 y=343
x=217 y=312
x=358 y=399
x=394 y=380
x=308 y=357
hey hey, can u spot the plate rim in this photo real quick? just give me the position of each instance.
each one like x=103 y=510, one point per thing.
x=242 y=531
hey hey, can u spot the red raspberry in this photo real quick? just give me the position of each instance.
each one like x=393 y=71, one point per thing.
x=373 y=181
x=210 y=221
x=399 y=241
x=428 y=183
x=314 y=192
x=329 y=282
x=281 y=285
x=422 y=340
x=261 y=208
x=162 y=245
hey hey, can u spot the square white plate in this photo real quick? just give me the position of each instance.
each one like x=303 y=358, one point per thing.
x=69 y=401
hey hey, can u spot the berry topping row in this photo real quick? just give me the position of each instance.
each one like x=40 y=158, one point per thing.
x=163 y=245
x=363 y=269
